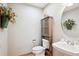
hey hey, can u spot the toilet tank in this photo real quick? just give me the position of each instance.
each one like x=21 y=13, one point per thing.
x=45 y=43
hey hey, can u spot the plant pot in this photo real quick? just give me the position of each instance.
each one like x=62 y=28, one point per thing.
x=4 y=21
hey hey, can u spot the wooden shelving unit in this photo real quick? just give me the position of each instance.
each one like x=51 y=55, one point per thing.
x=46 y=33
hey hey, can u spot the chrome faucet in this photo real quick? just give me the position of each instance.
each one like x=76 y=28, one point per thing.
x=70 y=42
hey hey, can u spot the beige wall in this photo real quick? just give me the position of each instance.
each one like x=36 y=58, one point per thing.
x=26 y=29
x=3 y=42
x=55 y=10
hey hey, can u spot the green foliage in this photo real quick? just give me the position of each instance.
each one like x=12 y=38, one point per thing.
x=69 y=24
x=6 y=15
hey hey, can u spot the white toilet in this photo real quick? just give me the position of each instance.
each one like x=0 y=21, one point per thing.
x=40 y=50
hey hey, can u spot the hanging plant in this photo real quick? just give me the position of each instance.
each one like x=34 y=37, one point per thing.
x=69 y=24
x=6 y=15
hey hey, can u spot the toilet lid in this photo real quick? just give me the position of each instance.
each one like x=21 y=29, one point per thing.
x=38 y=48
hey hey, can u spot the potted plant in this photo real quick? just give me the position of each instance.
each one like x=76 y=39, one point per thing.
x=69 y=24
x=6 y=15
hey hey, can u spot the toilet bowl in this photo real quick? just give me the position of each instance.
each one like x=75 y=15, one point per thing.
x=38 y=51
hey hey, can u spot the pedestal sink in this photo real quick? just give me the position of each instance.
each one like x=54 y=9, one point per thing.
x=63 y=47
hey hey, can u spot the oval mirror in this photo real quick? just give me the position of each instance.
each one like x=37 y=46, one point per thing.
x=70 y=20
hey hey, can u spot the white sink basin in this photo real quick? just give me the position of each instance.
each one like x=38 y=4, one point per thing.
x=66 y=48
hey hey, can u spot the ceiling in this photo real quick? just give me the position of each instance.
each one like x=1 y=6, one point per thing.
x=39 y=5
x=43 y=5
x=68 y=8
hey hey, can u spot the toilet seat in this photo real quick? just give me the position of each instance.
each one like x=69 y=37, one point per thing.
x=36 y=48
x=38 y=51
